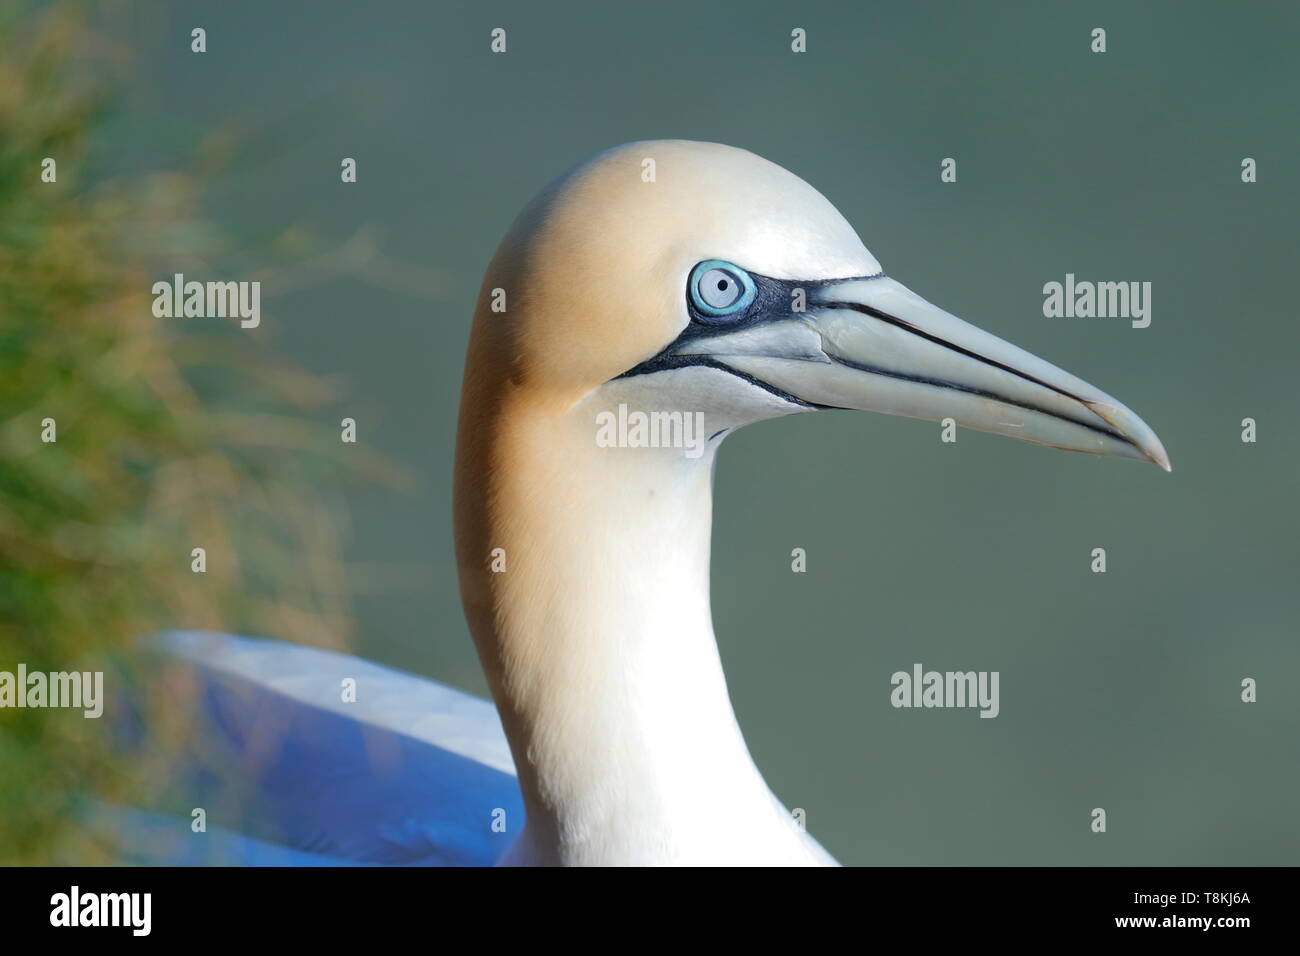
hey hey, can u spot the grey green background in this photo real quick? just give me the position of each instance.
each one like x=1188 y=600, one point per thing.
x=1118 y=690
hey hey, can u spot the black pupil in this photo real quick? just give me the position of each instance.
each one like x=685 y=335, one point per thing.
x=722 y=285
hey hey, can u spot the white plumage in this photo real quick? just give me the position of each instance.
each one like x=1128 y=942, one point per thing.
x=721 y=287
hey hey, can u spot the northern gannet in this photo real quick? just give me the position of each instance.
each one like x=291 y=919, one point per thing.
x=724 y=287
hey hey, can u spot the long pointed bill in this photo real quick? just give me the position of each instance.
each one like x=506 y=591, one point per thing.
x=874 y=344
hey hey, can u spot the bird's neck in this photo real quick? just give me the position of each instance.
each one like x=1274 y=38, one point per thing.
x=585 y=576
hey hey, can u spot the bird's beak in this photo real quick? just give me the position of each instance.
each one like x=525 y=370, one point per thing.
x=874 y=344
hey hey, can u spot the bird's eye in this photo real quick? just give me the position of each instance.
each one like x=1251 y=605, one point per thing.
x=720 y=289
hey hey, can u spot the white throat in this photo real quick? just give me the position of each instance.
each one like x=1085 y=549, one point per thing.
x=598 y=642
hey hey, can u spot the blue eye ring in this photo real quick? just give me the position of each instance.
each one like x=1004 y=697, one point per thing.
x=721 y=305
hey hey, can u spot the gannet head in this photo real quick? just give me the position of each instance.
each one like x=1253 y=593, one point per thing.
x=696 y=277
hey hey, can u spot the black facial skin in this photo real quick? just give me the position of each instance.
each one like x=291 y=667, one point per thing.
x=773 y=302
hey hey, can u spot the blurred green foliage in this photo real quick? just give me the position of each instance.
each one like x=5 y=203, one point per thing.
x=171 y=435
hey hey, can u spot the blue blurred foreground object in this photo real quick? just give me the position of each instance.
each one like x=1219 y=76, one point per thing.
x=294 y=772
